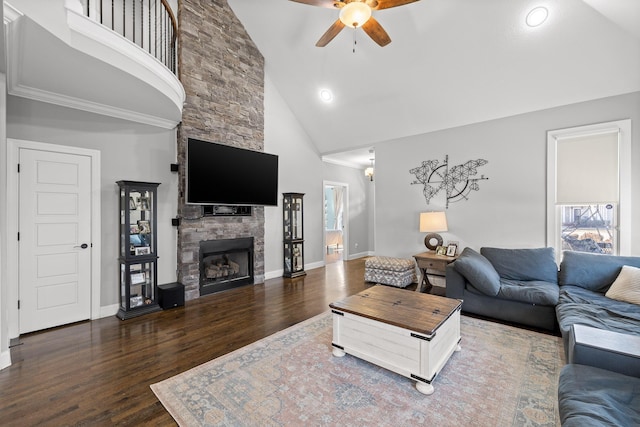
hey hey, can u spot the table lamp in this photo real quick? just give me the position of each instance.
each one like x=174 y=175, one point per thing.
x=432 y=223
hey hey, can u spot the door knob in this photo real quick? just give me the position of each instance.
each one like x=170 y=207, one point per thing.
x=82 y=246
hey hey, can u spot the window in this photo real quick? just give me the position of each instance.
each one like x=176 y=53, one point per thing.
x=589 y=228
x=588 y=188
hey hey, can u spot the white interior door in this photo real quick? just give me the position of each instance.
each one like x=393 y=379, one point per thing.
x=54 y=239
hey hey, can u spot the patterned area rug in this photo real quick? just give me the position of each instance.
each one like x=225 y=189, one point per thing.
x=503 y=376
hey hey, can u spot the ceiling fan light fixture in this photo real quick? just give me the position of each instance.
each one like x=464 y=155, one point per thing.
x=355 y=14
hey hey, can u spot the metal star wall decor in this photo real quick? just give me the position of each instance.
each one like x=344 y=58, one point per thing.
x=456 y=181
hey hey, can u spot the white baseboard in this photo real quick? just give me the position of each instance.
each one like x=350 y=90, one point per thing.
x=278 y=273
x=108 y=310
x=5 y=359
x=273 y=274
x=360 y=255
x=314 y=265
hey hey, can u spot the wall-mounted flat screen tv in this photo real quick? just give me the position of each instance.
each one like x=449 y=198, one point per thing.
x=219 y=174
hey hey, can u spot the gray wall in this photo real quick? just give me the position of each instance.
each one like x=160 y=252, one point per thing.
x=509 y=208
x=128 y=151
x=299 y=170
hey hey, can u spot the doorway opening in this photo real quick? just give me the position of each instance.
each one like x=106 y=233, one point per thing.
x=335 y=221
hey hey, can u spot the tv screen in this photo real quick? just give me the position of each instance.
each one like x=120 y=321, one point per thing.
x=220 y=174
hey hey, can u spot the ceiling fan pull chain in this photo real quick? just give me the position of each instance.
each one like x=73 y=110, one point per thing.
x=355 y=42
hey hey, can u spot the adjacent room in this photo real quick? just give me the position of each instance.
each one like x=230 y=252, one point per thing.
x=319 y=212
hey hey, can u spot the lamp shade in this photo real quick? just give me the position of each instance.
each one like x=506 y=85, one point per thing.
x=431 y=222
x=368 y=172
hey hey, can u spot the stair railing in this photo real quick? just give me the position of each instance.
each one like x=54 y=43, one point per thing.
x=149 y=24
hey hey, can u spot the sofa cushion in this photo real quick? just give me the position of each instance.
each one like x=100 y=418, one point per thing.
x=589 y=396
x=523 y=264
x=532 y=291
x=582 y=306
x=478 y=271
x=626 y=287
x=592 y=271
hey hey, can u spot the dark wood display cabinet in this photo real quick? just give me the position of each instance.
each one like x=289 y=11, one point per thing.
x=138 y=249
x=293 y=239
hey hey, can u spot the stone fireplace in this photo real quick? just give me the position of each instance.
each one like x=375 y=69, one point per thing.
x=222 y=72
x=225 y=264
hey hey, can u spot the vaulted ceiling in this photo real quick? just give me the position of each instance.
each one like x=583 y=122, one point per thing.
x=450 y=63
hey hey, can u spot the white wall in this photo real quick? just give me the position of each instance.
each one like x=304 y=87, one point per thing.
x=129 y=151
x=509 y=208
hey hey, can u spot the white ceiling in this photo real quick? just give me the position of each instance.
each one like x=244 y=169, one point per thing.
x=450 y=63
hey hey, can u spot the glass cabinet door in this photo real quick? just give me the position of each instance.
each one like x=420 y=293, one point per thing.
x=141 y=233
x=296 y=217
x=293 y=235
x=138 y=284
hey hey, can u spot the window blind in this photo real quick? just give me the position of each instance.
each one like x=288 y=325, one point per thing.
x=587 y=169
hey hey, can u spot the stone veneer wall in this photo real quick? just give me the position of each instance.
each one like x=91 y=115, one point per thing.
x=222 y=72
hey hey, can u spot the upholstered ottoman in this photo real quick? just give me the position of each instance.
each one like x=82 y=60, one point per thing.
x=397 y=272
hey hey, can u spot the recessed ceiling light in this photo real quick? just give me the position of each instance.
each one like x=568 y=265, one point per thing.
x=326 y=95
x=537 y=16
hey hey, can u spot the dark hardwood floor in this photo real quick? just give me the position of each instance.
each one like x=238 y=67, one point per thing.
x=98 y=373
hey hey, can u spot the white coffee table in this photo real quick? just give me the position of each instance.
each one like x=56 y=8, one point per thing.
x=405 y=332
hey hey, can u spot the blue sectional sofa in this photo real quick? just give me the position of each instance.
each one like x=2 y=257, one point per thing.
x=514 y=285
x=584 y=280
x=600 y=329
x=594 y=397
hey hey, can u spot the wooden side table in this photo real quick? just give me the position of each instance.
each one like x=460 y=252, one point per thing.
x=431 y=264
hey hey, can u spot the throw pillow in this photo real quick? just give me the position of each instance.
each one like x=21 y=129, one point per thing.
x=627 y=286
x=478 y=271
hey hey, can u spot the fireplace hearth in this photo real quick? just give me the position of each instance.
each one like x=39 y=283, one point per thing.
x=225 y=264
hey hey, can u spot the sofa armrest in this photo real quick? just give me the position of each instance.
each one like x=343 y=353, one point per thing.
x=604 y=349
x=455 y=282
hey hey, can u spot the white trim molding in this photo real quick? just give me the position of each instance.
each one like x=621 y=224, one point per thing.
x=5 y=359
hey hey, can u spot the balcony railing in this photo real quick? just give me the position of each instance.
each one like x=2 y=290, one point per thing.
x=149 y=24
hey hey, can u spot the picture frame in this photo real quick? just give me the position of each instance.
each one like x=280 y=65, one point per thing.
x=143 y=250
x=144 y=203
x=137 y=278
x=144 y=227
x=441 y=250
x=452 y=249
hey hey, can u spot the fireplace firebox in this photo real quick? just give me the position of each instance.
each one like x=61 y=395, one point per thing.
x=225 y=264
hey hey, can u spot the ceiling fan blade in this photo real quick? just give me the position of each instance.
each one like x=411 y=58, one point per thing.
x=330 y=33
x=322 y=3
x=376 y=32
x=386 y=4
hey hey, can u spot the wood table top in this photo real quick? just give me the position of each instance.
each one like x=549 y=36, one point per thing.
x=431 y=255
x=417 y=312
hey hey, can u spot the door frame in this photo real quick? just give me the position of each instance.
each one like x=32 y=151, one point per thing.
x=13 y=149
x=345 y=222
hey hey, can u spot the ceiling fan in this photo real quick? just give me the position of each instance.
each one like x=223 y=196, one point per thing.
x=354 y=14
